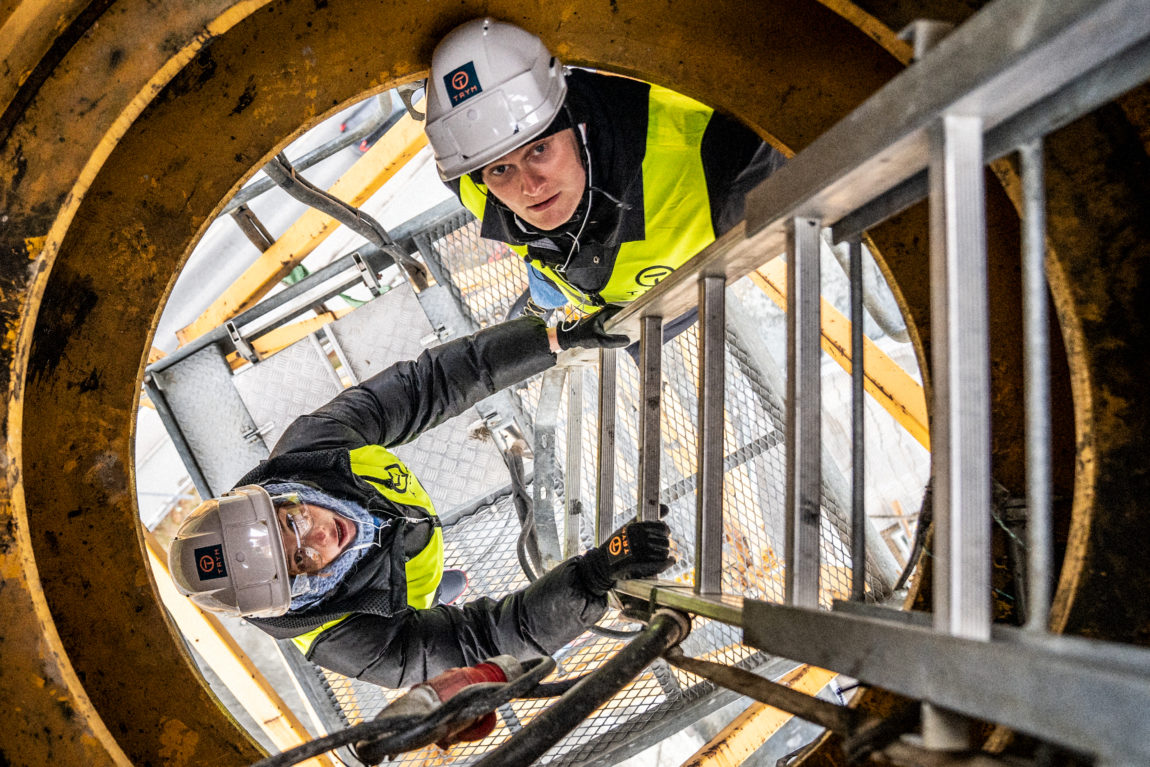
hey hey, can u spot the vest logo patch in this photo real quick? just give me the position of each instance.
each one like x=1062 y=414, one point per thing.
x=462 y=84
x=652 y=275
x=210 y=562
x=397 y=477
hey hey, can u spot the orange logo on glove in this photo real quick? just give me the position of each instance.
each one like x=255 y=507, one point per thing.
x=619 y=545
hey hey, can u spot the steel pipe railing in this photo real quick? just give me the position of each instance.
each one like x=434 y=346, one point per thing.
x=1036 y=340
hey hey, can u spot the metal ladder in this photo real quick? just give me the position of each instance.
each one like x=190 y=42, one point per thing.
x=1013 y=73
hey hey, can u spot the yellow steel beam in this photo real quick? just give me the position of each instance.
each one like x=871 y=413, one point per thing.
x=889 y=385
x=370 y=172
x=235 y=669
x=752 y=728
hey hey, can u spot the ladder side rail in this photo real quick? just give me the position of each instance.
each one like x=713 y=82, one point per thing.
x=546 y=468
x=804 y=413
x=573 y=471
x=605 y=452
x=712 y=391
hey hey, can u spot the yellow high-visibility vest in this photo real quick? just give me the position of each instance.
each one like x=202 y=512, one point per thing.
x=384 y=471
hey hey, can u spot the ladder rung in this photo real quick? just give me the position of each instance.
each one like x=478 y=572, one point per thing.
x=650 y=415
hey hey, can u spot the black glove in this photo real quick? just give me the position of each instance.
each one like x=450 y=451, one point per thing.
x=588 y=332
x=635 y=550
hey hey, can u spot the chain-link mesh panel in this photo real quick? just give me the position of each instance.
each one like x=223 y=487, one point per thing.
x=484 y=276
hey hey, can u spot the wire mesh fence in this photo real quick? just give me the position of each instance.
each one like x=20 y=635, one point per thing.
x=486 y=278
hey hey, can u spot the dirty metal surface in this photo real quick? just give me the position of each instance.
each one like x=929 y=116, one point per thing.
x=219 y=427
x=111 y=167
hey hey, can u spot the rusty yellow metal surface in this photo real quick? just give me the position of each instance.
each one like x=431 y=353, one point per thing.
x=370 y=172
x=235 y=669
x=889 y=385
x=28 y=29
x=752 y=728
x=114 y=161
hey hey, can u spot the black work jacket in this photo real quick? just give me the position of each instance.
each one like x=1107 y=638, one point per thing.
x=384 y=640
x=615 y=111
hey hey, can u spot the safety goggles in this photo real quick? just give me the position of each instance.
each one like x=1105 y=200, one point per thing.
x=296 y=519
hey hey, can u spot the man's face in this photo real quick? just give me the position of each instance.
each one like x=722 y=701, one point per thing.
x=322 y=536
x=541 y=182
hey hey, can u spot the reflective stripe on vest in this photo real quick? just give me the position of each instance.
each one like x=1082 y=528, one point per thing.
x=677 y=209
x=385 y=472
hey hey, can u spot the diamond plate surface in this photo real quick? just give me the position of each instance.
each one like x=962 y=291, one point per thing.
x=382 y=331
x=453 y=467
x=212 y=417
x=296 y=380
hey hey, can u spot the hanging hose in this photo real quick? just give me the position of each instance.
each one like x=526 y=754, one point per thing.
x=666 y=629
x=284 y=175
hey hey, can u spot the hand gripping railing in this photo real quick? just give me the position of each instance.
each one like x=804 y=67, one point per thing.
x=1014 y=72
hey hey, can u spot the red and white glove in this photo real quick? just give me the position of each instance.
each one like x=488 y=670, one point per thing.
x=424 y=698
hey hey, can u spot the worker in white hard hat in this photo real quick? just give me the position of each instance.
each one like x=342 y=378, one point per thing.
x=333 y=543
x=603 y=184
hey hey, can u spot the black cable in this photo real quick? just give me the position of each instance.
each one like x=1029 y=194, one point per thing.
x=415 y=731
x=521 y=552
x=603 y=631
x=920 y=532
x=554 y=689
x=473 y=702
x=373 y=728
x=667 y=628
x=529 y=563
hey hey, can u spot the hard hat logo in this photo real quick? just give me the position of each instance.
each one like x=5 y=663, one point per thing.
x=210 y=562
x=462 y=84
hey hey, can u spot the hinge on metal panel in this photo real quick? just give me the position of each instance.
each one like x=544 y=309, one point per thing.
x=507 y=435
x=366 y=273
x=243 y=348
x=438 y=335
x=257 y=432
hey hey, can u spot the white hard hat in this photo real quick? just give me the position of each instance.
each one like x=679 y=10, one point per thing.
x=228 y=555
x=493 y=87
